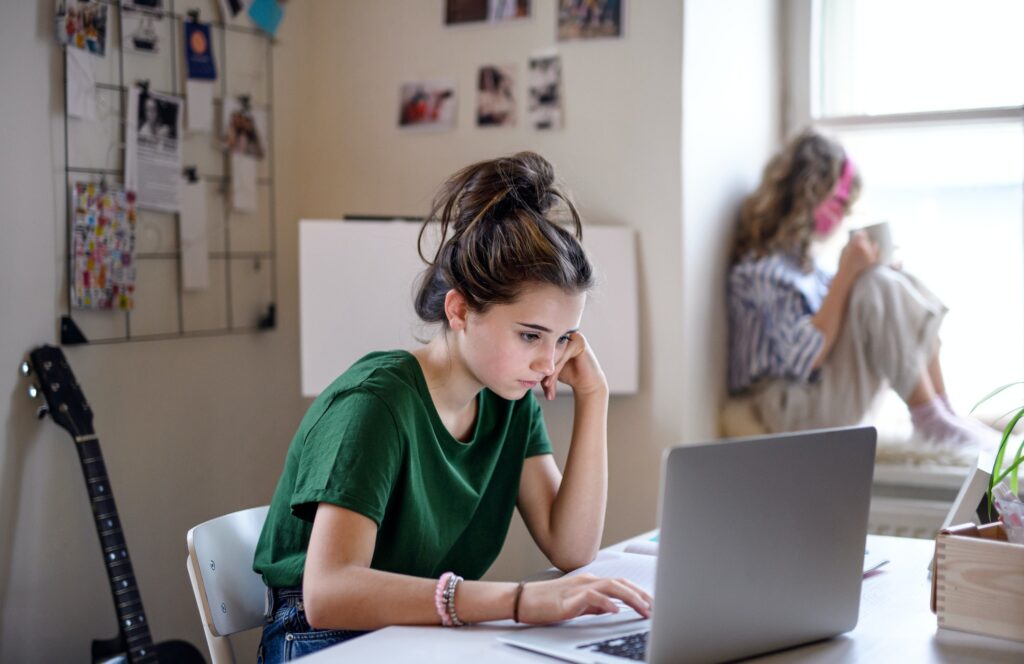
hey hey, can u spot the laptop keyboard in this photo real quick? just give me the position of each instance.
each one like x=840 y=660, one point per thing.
x=631 y=646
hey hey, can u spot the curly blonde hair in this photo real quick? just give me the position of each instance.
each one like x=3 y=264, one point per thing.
x=779 y=216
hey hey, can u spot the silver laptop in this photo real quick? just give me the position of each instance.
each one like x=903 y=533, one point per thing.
x=761 y=548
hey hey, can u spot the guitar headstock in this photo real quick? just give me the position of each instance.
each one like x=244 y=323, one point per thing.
x=64 y=398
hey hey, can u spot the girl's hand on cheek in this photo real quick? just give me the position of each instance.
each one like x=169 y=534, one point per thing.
x=578 y=368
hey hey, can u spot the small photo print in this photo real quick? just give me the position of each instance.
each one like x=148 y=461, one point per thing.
x=146 y=5
x=244 y=132
x=485 y=11
x=158 y=119
x=427 y=105
x=589 y=19
x=82 y=25
x=495 y=96
x=140 y=31
x=545 y=92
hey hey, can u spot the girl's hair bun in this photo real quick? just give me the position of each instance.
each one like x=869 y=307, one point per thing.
x=496 y=235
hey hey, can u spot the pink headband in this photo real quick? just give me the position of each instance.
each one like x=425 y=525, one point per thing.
x=829 y=212
x=845 y=180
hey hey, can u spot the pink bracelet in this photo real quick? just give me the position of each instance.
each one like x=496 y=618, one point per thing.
x=439 y=603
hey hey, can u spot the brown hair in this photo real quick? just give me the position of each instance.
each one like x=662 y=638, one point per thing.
x=497 y=236
x=778 y=216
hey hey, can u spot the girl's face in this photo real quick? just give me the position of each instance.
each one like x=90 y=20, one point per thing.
x=511 y=347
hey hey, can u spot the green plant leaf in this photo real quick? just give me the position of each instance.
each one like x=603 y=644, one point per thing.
x=995 y=392
x=998 y=464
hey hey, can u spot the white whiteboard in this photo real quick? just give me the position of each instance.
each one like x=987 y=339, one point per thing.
x=357 y=281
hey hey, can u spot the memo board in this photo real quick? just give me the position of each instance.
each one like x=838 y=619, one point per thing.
x=242 y=289
x=356 y=286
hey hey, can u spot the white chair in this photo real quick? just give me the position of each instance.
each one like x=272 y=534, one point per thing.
x=229 y=595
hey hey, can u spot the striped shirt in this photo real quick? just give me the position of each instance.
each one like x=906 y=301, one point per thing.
x=771 y=302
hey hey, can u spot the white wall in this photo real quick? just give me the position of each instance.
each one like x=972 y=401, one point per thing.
x=195 y=428
x=731 y=125
x=618 y=154
x=190 y=428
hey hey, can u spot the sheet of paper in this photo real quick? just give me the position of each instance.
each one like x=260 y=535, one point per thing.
x=636 y=567
x=646 y=547
x=195 y=263
x=81 y=84
x=244 y=197
x=103 y=247
x=153 y=128
x=199 y=100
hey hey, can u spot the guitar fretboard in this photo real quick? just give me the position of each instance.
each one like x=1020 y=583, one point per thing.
x=131 y=618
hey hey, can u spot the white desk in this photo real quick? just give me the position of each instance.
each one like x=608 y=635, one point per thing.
x=896 y=624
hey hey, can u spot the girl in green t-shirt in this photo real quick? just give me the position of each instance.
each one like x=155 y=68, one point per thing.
x=404 y=473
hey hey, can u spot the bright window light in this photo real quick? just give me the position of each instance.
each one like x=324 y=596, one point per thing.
x=954 y=196
x=906 y=56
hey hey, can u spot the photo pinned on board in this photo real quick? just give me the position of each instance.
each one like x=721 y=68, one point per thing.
x=589 y=19
x=427 y=105
x=458 y=12
x=153 y=148
x=244 y=134
x=141 y=30
x=82 y=25
x=229 y=9
x=545 y=92
x=158 y=119
x=495 y=101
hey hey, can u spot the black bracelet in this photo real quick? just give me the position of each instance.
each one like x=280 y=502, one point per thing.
x=515 y=607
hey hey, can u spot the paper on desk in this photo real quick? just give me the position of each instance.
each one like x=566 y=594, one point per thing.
x=873 y=562
x=636 y=567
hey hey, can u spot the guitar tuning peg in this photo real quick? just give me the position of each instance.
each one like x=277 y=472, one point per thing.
x=33 y=392
x=42 y=412
x=25 y=368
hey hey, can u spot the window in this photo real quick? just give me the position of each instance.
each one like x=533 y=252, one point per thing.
x=928 y=99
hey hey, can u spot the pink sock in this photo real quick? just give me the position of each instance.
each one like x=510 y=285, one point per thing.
x=945 y=402
x=934 y=422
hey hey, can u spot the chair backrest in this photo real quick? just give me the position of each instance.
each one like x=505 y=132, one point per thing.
x=229 y=594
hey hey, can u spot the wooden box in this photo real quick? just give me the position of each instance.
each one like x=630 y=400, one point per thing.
x=978 y=583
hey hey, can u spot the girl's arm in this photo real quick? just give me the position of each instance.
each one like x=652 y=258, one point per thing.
x=340 y=591
x=565 y=515
x=859 y=254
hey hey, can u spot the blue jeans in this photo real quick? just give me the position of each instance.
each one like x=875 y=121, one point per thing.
x=287 y=635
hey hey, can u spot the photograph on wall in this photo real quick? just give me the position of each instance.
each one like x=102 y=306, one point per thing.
x=495 y=96
x=427 y=105
x=545 y=92
x=82 y=25
x=589 y=19
x=153 y=149
x=103 y=268
x=229 y=9
x=141 y=30
x=245 y=129
x=148 y=5
x=458 y=12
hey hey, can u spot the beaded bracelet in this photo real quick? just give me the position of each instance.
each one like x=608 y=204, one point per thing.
x=449 y=597
x=439 y=601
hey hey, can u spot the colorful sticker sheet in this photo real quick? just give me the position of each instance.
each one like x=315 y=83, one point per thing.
x=104 y=246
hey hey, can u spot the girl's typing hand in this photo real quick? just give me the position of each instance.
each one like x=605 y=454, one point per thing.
x=859 y=254
x=578 y=368
x=552 y=601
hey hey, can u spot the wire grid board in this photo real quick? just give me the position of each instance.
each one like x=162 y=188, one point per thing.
x=242 y=247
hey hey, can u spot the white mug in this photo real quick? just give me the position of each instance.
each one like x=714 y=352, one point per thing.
x=881 y=235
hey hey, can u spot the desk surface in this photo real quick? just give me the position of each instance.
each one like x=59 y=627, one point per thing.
x=895 y=621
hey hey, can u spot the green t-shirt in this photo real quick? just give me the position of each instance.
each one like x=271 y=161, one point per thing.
x=373 y=443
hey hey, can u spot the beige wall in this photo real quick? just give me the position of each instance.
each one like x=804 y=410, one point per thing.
x=195 y=428
x=618 y=154
x=190 y=428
